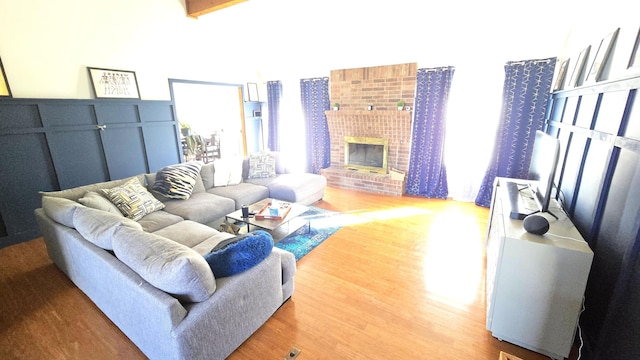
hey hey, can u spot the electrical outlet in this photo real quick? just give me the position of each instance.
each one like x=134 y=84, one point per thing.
x=293 y=353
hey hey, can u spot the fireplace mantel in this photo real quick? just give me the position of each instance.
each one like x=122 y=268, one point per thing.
x=349 y=112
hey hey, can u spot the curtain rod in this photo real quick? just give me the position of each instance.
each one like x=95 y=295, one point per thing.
x=438 y=68
x=316 y=79
x=523 y=62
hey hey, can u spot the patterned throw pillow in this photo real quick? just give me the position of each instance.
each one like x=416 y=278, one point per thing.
x=177 y=181
x=133 y=200
x=262 y=165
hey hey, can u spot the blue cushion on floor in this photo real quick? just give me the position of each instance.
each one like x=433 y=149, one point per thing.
x=240 y=253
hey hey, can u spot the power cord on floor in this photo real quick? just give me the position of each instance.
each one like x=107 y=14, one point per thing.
x=565 y=237
x=580 y=331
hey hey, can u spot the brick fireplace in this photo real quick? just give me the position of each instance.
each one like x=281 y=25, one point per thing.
x=355 y=90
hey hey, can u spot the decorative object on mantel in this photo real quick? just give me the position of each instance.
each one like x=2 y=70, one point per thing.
x=400 y=105
x=634 y=60
x=336 y=106
x=114 y=84
x=407 y=108
x=5 y=90
x=602 y=54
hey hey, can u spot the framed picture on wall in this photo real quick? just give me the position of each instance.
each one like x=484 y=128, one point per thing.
x=562 y=73
x=595 y=72
x=634 y=60
x=576 y=76
x=114 y=84
x=5 y=90
x=252 y=92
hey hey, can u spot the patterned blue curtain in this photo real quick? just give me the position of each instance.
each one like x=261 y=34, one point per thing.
x=274 y=96
x=314 y=94
x=525 y=95
x=427 y=174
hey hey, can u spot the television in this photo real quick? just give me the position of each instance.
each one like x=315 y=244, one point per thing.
x=542 y=170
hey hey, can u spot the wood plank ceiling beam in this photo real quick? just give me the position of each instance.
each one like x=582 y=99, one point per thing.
x=197 y=8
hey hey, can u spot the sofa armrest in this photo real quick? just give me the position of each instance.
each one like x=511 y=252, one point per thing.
x=143 y=312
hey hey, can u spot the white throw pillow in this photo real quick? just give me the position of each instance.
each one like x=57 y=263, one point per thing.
x=221 y=173
x=235 y=175
x=227 y=171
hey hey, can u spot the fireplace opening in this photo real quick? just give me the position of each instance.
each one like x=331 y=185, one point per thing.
x=366 y=154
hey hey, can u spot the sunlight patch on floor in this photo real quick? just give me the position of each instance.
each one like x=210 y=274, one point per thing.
x=363 y=216
x=453 y=258
x=395 y=213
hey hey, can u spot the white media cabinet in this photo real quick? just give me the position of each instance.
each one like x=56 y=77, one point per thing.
x=535 y=283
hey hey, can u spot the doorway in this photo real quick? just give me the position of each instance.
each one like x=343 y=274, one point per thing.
x=212 y=108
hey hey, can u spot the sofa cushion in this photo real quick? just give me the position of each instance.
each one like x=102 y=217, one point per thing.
x=165 y=264
x=158 y=220
x=177 y=181
x=243 y=193
x=133 y=200
x=262 y=165
x=188 y=233
x=97 y=201
x=205 y=246
x=78 y=192
x=98 y=226
x=296 y=187
x=61 y=210
x=237 y=254
x=207 y=175
x=201 y=207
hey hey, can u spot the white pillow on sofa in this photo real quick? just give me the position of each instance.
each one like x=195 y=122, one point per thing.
x=165 y=264
x=227 y=171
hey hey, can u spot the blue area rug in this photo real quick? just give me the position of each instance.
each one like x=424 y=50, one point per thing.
x=323 y=224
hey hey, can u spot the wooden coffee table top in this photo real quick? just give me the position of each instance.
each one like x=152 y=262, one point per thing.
x=268 y=224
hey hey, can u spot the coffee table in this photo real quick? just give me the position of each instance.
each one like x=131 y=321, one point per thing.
x=273 y=226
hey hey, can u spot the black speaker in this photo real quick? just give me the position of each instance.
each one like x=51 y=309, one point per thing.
x=536 y=224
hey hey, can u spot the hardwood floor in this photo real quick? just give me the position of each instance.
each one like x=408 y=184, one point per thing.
x=402 y=279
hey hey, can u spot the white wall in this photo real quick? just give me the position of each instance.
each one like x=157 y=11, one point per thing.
x=46 y=45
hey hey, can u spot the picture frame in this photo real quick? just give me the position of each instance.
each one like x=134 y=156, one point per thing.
x=562 y=73
x=576 y=76
x=114 y=84
x=634 y=59
x=252 y=92
x=5 y=90
x=600 y=59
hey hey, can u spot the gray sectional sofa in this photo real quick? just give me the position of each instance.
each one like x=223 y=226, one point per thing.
x=150 y=277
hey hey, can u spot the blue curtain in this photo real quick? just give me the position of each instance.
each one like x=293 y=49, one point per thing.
x=525 y=96
x=427 y=175
x=274 y=96
x=314 y=95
